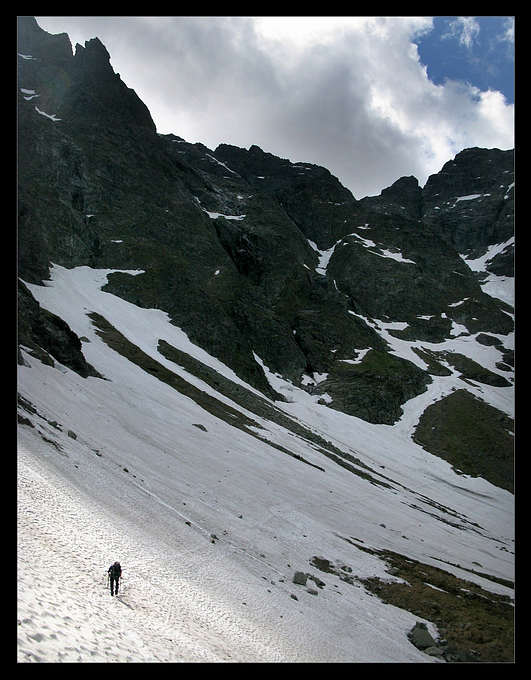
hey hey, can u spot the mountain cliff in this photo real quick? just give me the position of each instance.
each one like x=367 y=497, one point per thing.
x=272 y=266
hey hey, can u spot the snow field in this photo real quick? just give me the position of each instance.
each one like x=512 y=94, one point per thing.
x=142 y=484
x=184 y=598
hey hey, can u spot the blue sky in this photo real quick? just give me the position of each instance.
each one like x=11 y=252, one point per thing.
x=372 y=99
x=479 y=50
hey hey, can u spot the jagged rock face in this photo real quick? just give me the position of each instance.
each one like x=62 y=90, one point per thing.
x=78 y=163
x=249 y=253
x=312 y=197
x=471 y=202
x=403 y=198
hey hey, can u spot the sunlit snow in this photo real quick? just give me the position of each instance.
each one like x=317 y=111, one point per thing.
x=210 y=524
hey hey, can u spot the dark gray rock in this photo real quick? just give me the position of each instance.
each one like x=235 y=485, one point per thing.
x=434 y=651
x=300 y=578
x=403 y=199
x=471 y=202
x=48 y=337
x=421 y=637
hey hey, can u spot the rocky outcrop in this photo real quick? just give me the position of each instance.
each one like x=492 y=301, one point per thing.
x=471 y=204
x=421 y=638
x=402 y=199
x=47 y=337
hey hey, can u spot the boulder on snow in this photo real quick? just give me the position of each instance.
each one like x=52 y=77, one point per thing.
x=300 y=578
x=420 y=636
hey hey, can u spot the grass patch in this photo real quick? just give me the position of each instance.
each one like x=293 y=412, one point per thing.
x=376 y=388
x=471 y=370
x=467 y=617
x=118 y=342
x=474 y=437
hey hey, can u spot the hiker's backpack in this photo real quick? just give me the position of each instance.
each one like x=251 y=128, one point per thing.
x=115 y=570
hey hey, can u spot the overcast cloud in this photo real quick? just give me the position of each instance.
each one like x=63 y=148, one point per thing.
x=349 y=93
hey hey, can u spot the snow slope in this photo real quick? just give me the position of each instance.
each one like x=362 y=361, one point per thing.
x=211 y=523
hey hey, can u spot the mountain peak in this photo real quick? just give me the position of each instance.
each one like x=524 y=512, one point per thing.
x=403 y=198
x=81 y=88
x=94 y=50
x=33 y=40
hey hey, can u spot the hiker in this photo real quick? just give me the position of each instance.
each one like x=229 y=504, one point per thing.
x=114 y=572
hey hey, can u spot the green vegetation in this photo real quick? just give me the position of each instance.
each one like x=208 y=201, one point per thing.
x=473 y=436
x=468 y=617
x=376 y=388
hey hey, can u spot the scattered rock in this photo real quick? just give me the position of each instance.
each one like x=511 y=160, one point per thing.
x=434 y=651
x=421 y=637
x=300 y=578
x=317 y=581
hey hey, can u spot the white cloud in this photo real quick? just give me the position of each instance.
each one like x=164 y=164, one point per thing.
x=465 y=29
x=508 y=34
x=348 y=93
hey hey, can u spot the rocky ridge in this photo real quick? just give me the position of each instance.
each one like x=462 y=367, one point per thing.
x=257 y=256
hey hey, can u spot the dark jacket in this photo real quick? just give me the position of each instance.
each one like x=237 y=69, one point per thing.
x=115 y=570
